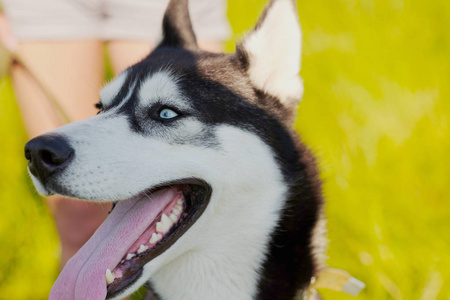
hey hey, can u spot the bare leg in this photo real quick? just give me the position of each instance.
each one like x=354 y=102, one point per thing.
x=126 y=53
x=211 y=46
x=73 y=73
x=76 y=222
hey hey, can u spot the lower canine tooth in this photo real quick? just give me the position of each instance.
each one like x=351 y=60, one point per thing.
x=142 y=248
x=109 y=276
x=130 y=256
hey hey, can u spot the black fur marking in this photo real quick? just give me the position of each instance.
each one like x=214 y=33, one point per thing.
x=290 y=263
x=121 y=95
x=177 y=27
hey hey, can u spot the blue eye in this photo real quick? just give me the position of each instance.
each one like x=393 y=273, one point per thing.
x=167 y=113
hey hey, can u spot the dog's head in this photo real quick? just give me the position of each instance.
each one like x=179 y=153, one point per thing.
x=195 y=147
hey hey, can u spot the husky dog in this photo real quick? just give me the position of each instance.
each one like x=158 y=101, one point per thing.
x=216 y=197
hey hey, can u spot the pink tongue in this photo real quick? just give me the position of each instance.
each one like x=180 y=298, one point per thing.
x=83 y=277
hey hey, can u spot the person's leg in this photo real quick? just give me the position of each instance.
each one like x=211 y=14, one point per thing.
x=211 y=45
x=123 y=54
x=126 y=53
x=73 y=73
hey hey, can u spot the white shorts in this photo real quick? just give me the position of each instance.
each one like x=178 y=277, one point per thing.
x=109 y=19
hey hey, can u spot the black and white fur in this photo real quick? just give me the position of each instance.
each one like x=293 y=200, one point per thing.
x=260 y=234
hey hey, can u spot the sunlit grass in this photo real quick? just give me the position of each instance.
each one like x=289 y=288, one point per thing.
x=28 y=241
x=376 y=79
x=375 y=112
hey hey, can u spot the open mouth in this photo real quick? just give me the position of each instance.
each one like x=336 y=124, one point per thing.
x=137 y=231
x=188 y=201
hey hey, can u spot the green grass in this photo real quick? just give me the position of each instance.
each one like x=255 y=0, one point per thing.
x=375 y=112
x=28 y=240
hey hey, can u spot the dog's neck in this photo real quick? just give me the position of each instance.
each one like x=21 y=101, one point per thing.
x=239 y=271
x=226 y=267
x=197 y=276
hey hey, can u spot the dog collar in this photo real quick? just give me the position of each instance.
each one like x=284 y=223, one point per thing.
x=333 y=279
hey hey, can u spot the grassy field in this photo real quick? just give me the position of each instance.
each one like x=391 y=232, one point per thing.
x=375 y=112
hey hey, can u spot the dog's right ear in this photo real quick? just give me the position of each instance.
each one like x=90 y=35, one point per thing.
x=177 y=27
x=270 y=53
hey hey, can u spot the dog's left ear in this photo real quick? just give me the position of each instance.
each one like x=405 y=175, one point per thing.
x=271 y=53
x=177 y=27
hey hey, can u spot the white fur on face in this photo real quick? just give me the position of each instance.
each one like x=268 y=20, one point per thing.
x=275 y=51
x=162 y=87
x=220 y=255
x=107 y=150
x=110 y=91
x=37 y=184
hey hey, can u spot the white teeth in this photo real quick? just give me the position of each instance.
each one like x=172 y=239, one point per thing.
x=166 y=220
x=109 y=276
x=142 y=248
x=176 y=210
x=164 y=225
x=130 y=256
x=160 y=227
x=122 y=261
x=156 y=237
x=180 y=201
x=173 y=217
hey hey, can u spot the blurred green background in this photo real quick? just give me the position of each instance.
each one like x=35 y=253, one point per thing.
x=376 y=113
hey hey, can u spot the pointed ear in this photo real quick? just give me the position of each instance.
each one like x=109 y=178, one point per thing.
x=271 y=53
x=177 y=27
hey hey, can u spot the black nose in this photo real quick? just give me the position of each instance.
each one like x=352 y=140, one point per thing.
x=47 y=154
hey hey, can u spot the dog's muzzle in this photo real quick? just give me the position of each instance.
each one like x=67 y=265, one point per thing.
x=48 y=154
